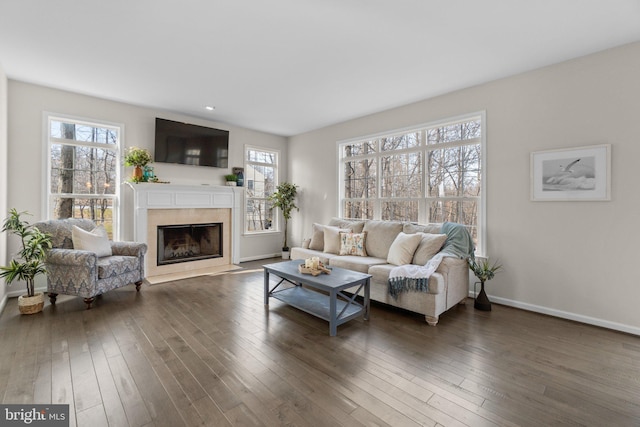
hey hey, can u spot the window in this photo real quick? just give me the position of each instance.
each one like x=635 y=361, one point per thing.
x=83 y=171
x=261 y=179
x=432 y=173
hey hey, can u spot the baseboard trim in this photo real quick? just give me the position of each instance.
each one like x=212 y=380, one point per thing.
x=259 y=257
x=621 y=327
x=3 y=303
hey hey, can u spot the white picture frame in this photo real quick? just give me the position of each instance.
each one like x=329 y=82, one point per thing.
x=572 y=174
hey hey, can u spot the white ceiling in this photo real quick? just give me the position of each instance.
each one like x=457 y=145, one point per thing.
x=290 y=66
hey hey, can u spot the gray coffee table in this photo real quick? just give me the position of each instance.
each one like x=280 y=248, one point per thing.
x=336 y=307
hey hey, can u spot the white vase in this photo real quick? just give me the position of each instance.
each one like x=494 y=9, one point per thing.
x=232 y=183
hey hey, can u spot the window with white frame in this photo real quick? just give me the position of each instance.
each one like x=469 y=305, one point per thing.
x=83 y=171
x=431 y=173
x=261 y=179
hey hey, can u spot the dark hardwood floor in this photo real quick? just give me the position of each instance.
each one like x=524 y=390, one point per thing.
x=205 y=351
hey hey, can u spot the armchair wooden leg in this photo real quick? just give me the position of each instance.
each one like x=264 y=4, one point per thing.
x=52 y=297
x=138 y=284
x=88 y=301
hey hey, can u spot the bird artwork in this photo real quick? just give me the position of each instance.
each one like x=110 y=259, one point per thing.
x=569 y=174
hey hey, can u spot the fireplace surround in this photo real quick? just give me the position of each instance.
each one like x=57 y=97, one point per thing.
x=157 y=205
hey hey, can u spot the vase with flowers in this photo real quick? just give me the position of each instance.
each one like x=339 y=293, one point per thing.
x=138 y=158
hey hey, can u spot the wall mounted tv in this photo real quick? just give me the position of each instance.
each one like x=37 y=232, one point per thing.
x=188 y=144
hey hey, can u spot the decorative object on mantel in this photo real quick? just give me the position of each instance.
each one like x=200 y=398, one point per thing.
x=284 y=199
x=30 y=260
x=138 y=158
x=484 y=271
x=313 y=266
x=231 y=180
x=239 y=173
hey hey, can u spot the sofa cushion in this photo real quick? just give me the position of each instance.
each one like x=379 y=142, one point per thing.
x=355 y=225
x=95 y=240
x=380 y=236
x=430 y=244
x=353 y=243
x=433 y=228
x=332 y=238
x=317 y=237
x=113 y=266
x=355 y=263
x=403 y=247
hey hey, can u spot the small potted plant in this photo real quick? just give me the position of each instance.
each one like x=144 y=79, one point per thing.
x=231 y=179
x=138 y=158
x=284 y=199
x=484 y=271
x=30 y=260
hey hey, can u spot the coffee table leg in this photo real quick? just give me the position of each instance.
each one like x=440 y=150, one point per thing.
x=266 y=287
x=333 y=327
x=367 y=301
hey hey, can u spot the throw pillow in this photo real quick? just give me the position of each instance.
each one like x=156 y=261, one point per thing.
x=332 y=238
x=317 y=237
x=403 y=247
x=428 y=247
x=95 y=240
x=353 y=244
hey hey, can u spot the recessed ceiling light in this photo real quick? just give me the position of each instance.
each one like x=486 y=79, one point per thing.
x=210 y=108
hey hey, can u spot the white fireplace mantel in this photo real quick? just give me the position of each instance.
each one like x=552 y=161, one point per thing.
x=172 y=196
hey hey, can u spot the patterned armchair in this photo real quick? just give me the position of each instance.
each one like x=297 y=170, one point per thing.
x=83 y=273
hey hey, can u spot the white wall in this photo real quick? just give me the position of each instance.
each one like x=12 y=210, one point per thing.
x=26 y=104
x=571 y=259
x=3 y=179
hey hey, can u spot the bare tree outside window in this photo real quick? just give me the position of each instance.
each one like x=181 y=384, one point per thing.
x=260 y=175
x=83 y=171
x=432 y=174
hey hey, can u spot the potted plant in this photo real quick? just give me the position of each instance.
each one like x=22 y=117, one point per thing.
x=29 y=262
x=231 y=179
x=138 y=158
x=284 y=199
x=484 y=271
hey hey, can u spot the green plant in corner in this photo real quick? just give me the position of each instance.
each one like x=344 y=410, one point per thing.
x=30 y=259
x=284 y=199
x=484 y=271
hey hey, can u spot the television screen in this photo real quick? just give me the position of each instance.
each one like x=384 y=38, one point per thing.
x=189 y=144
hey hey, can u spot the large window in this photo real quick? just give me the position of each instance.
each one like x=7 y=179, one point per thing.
x=432 y=173
x=83 y=171
x=261 y=179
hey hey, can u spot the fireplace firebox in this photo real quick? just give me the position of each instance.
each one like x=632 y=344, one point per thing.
x=189 y=242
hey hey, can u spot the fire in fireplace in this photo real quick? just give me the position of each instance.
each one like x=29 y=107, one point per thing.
x=189 y=242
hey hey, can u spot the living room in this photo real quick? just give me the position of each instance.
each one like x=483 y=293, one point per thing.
x=559 y=257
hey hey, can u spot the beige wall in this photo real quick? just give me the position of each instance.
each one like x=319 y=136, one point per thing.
x=26 y=104
x=3 y=178
x=571 y=259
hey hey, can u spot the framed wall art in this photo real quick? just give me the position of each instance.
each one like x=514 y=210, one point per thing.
x=580 y=173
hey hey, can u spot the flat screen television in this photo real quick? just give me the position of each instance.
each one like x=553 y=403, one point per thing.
x=188 y=144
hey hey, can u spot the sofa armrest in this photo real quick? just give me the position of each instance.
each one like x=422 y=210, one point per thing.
x=306 y=243
x=71 y=257
x=456 y=273
x=128 y=248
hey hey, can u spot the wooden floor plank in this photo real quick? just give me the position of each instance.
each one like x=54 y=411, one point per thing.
x=206 y=351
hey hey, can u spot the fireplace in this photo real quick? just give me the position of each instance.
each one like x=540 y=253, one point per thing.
x=188 y=242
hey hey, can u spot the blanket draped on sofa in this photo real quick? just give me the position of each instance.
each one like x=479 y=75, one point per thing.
x=416 y=277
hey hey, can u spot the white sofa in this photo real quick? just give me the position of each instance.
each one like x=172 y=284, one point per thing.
x=447 y=286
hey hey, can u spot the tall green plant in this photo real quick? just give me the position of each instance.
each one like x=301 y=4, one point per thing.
x=30 y=259
x=284 y=199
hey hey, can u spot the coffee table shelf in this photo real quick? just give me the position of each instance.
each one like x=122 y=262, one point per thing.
x=317 y=304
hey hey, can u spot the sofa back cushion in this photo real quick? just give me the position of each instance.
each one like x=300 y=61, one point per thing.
x=332 y=238
x=380 y=236
x=317 y=237
x=356 y=225
x=432 y=227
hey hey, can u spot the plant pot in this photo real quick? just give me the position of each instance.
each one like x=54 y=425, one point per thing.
x=137 y=173
x=232 y=183
x=482 y=301
x=31 y=305
x=285 y=254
